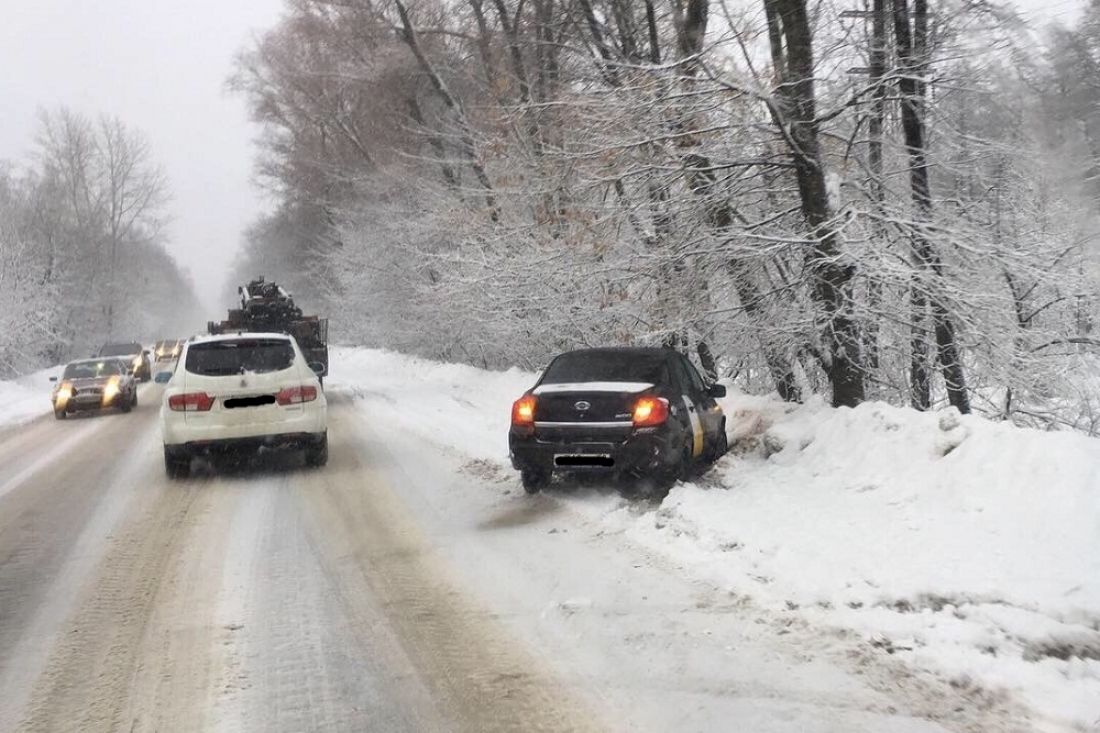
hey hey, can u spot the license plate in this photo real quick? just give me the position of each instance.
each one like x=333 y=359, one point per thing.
x=584 y=459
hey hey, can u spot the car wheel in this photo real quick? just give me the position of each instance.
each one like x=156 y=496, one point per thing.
x=133 y=400
x=721 y=445
x=60 y=414
x=176 y=464
x=534 y=480
x=125 y=404
x=317 y=453
x=667 y=477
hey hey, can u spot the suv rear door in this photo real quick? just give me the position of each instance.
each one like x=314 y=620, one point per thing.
x=243 y=376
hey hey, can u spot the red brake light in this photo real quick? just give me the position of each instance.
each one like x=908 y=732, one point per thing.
x=650 y=411
x=523 y=411
x=296 y=395
x=190 y=402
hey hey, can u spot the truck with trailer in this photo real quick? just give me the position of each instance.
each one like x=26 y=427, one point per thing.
x=267 y=307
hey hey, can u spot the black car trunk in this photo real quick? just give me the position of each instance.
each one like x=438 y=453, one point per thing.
x=585 y=407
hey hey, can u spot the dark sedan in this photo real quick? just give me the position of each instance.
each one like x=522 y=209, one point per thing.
x=94 y=384
x=135 y=355
x=636 y=413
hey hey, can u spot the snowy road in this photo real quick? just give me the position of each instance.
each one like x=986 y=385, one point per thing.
x=402 y=588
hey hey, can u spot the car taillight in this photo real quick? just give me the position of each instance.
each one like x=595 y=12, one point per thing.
x=190 y=402
x=650 y=411
x=523 y=411
x=296 y=395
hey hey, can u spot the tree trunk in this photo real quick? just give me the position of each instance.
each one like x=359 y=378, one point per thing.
x=720 y=218
x=911 y=50
x=920 y=380
x=792 y=50
x=691 y=29
x=466 y=137
x=874 y=155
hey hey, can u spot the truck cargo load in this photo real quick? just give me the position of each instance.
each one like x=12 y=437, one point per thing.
x=265 y=306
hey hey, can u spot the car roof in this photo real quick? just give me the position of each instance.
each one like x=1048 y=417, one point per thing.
x=627 y=350
x=95 y=360
x=239 y=335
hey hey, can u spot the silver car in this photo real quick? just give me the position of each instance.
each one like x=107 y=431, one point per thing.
x=94 y=384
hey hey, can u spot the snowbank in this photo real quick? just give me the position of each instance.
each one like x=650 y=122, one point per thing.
x=968 y=548
x=26 y=398
x=462 y=407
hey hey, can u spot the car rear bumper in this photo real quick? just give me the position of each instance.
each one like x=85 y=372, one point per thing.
x=638 y=453
x=180 y=428
x=246 y=445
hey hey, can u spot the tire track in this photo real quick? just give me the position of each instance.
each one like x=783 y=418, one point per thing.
x=481 y=678
x=53 y=531
x=297 y=656
x=86 y=683
x=180 y=670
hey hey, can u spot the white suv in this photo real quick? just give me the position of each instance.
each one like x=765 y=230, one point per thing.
x=241 y=391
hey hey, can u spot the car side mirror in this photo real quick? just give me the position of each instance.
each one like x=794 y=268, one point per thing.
x=717 y=390
x=53 y=379
x=318 y=368
x=163 y=377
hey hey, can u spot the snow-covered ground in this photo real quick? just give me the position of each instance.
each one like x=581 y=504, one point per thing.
x=965 y=549
x=969 y=550
x=26 y=398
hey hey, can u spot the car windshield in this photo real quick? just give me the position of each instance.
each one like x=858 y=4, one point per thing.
x=238 y=356
x=93 y=369
x=120 y=349
x=606 y=366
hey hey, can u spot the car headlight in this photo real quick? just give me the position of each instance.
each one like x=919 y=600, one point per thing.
x=111 y=390
x=63 y=394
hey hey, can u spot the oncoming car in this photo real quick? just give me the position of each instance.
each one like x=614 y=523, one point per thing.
x=167 y=350
x=135 y=355
x=94 y=384
x=633 y=413
x=243 y=391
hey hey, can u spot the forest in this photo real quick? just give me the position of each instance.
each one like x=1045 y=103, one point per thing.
x=890 y=201
x=82 y=224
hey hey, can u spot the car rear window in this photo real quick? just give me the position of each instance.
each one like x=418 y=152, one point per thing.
x=92 y=369
x=606 y=366
x=120 y=349
x=238 y=356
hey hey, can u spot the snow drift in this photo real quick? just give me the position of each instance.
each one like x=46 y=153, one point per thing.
x=967 y=548
x=26 y=398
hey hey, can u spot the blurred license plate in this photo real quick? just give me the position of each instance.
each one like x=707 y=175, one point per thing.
x=583 y=459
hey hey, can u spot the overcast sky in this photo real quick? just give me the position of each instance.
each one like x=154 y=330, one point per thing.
x=161 y=66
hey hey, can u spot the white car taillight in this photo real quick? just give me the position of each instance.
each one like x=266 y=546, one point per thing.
x=190 y=402
x=296 y=395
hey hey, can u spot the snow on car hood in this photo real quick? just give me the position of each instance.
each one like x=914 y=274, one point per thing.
x=592 y=387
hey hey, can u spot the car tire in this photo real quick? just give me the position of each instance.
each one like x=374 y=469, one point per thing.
x=133 y=400
x=125 y=405
x=177 y=464
x=534 y=480
x=721 y=445
x=667 y=477
x=60 y=414
x=316 y=454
